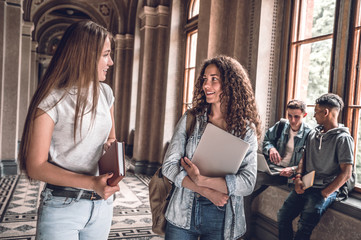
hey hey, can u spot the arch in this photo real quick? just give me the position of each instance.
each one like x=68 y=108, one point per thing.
x=51 y=30
x=132 y=16
x=50 y=25
x=86 y=8
x=120 y=17
x=27 y=10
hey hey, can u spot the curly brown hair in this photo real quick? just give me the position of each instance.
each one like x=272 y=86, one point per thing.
x=237 y=98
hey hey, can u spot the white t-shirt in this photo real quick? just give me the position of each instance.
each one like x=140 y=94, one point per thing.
x=81 y=156
x=289 y=149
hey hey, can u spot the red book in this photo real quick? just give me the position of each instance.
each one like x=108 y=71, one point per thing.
x=113 y=161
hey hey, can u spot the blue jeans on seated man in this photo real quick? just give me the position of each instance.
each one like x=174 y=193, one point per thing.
x=207 y=222
x=311 y=205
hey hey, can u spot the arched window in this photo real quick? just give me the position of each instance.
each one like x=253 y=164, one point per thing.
x=193 y=9
x=191 y=29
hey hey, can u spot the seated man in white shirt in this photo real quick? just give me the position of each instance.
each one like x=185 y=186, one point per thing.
x=283 y=146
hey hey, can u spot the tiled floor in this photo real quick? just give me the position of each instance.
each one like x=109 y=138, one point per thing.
x=19 y=200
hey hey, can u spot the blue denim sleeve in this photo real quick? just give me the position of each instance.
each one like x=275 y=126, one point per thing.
x=269 y=140
x=242 y=183
x=176 y=150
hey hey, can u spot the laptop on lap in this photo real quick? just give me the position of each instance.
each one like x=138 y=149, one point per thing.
x=263 y=166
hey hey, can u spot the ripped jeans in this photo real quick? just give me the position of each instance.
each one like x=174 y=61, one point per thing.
x=62 y=218
x=310 y=205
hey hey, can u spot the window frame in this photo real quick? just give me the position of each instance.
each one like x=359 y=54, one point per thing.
x=352 y=108
x=295 y=44
x=351 y=79
x=190 y=28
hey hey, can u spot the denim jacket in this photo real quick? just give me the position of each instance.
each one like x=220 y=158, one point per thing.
x=299 y=141
x=241 y=184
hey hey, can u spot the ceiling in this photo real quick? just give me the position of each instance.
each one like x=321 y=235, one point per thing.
x=52 y=17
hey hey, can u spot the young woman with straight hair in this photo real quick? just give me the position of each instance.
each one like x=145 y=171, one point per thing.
x=69 y=124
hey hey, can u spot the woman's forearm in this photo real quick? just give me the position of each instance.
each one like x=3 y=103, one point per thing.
x=217 y=183
x=216 y=197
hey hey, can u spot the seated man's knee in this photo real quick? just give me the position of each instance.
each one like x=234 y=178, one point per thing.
x=282 y=215
x=304 y=230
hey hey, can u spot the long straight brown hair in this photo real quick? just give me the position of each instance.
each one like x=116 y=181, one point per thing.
x=74 y=65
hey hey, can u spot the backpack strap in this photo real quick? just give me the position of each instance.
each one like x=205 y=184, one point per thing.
x=280 y=128
x=190 y=124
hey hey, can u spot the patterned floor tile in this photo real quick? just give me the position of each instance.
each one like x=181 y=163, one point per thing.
x=19 y=201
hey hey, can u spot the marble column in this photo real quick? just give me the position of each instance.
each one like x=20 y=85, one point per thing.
x=11 y=30
x=148 y=139
x=252 y=31
x=122 y=84
x=221 y=22
x=25 y=75
x=34 y=78
x=2 y=58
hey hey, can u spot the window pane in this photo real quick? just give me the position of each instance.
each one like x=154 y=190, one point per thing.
x=317 y=18
x=191 y=84
x=358 y=20
x=313 y=70
x=190 y=67
x=310 y=119
x=193 y=9
x=358 y=152
x=193 y=49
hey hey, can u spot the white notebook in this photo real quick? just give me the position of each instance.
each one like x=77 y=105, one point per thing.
x=219 y=153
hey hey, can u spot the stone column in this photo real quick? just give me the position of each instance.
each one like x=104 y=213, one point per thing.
x=34 y=78
x=11 y=29
x=151 y=89
x=123 y=62
x=265 y=63
x=2 y=57
x=221 y=22
x=175 y=75
x=25 y=75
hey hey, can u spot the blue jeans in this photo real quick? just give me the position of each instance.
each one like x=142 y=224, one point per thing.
x=311 y=205
x=62 y=218
x=207 y=222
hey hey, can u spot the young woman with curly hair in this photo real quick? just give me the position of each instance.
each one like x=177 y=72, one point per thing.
x=212 y=207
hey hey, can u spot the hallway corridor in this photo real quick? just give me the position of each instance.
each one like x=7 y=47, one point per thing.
x=19 y=200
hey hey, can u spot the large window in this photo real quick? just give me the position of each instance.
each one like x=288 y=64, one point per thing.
x=310 y=53
x=190 y=60
x=353 y=109
x=312 y=56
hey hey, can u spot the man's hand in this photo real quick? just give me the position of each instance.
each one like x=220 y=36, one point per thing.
x=324 y=195
x=286 y=172
x=299 y=186
x=274 y=156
